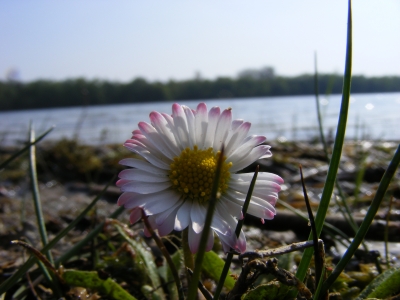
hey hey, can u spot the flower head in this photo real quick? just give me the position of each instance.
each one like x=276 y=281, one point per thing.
x=172 y=176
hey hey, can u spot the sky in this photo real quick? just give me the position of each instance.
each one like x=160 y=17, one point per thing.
x=163 y=40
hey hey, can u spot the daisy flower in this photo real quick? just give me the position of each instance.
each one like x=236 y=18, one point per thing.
x=171 y=176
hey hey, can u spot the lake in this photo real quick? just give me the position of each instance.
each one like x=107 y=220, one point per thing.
x=371 y=116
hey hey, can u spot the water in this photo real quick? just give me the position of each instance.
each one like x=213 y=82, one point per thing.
x=371 y=116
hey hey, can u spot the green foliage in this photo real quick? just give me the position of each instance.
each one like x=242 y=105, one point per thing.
x=273 y=290
x=213 y=265
x=92 y=281
x=82 y=92
x=383 y=286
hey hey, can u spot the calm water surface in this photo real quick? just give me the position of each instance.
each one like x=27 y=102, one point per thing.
x=372 y=116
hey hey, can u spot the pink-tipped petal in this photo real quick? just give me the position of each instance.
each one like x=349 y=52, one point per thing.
x=201 y=124
x=180 y=125
x=245 y=148
x=198 y=216
x=236 y=138
x=135 y=215
x=213 y=116
x=161 y=125
x=190 y=125
x=151 y=158
x=194 y=240
x=168 y=225
x=251 y=157
x=141 y=176
x=182 y=219
x=142 y=165
x=155 y=139
x=223 y=126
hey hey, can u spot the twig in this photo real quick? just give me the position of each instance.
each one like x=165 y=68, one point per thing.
x=40 y=257
x=277 y=251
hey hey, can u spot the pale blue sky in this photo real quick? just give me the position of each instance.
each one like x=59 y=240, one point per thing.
x=161 y=40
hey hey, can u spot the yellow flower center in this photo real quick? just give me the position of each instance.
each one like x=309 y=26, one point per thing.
x=193 y=171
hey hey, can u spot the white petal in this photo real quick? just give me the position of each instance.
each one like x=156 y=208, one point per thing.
x=226 y=241
x=246 y=147
x=190 y=125
x=247 y=177
x=183 y=216
x=210 y=241
x=125 y=197
x=148 y=156
x=131 y=200
x=168 y=225
x=257 y=207
x=233 y=242
x=165 y=220
x=162 y=216
x=198 y=216
x=223 y=126
x=213 y=116
x=161 y=125
x=155 y=138
x=140 y=175
x=220 y=225
x=144 y=187
x=236 y=124
x=135 y=215
x=180 y=123
x=142 y=165
x=231 y=208
x=236 y=138
x=201 y=123
x=255 y=154
x=261 y=211
x=142 y=140
x=194 y=240
x=162 y=202
x=262 y=187
x=171 y=125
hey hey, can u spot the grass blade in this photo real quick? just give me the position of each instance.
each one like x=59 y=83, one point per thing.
x=23 y=150
x=337 y=150
x=35 y=193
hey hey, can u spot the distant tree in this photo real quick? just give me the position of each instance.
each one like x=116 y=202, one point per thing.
x=250 y=83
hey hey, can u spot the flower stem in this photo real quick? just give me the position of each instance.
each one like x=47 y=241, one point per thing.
x=187 y=254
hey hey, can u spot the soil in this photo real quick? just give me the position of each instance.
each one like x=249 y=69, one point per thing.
x=69 y=183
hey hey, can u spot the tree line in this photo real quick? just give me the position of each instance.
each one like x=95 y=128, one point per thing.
x=81 y=92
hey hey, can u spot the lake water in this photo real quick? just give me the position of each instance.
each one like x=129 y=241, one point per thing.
x=371 y=116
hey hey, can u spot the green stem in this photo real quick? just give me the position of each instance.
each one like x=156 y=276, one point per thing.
x=207 y=227
x=187 y=254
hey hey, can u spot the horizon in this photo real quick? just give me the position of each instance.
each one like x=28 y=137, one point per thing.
x=160 y=41
x=235 y=77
